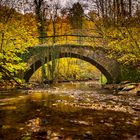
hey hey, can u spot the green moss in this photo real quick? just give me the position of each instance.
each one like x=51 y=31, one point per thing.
x=130 y=73
x=102 y=79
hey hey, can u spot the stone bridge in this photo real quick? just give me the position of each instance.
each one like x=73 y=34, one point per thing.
x=97 y=56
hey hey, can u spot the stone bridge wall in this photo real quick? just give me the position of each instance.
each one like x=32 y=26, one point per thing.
x=97 y=56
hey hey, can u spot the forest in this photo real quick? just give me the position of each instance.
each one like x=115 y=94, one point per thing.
x=69 y=69
x=113 y=24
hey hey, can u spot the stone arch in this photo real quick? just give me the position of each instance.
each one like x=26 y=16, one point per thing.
x=97 y=56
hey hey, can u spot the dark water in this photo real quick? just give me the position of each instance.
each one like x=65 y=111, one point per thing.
x=70 y=111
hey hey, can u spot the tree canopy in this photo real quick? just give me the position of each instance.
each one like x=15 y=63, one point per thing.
x=24 y=23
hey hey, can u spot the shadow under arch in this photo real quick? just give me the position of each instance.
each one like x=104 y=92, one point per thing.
x=38 y=64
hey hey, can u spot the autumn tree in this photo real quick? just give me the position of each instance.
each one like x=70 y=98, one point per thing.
x=117 y=23
x=76 y=16
x=40 y=18
x=15 y=37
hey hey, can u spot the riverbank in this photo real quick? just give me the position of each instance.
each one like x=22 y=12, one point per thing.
x=125 y=87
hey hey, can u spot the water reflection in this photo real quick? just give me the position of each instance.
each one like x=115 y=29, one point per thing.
x=69 y=111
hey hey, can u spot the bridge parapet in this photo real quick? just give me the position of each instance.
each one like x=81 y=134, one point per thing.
x=76 y=39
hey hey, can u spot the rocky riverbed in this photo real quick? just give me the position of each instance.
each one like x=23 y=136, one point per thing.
x=71 y=111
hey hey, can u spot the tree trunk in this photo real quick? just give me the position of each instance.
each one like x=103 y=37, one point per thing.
x=130 y=8
x=41 y=29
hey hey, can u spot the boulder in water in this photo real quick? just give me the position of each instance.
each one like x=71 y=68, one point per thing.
x=129 y=87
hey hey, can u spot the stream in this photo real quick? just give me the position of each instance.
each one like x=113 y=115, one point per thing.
x=69 y=111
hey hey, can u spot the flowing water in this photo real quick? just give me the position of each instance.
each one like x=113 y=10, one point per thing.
x=69 y=111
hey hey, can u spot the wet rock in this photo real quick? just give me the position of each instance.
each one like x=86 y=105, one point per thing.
x=129 y=87
x=79 y=122
x=126 y=86
x=88 y=135
x=56 y=136
x=83 y=123
x=102 y=121
x=125 y=82
x=109 y=124
x=120 y=87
